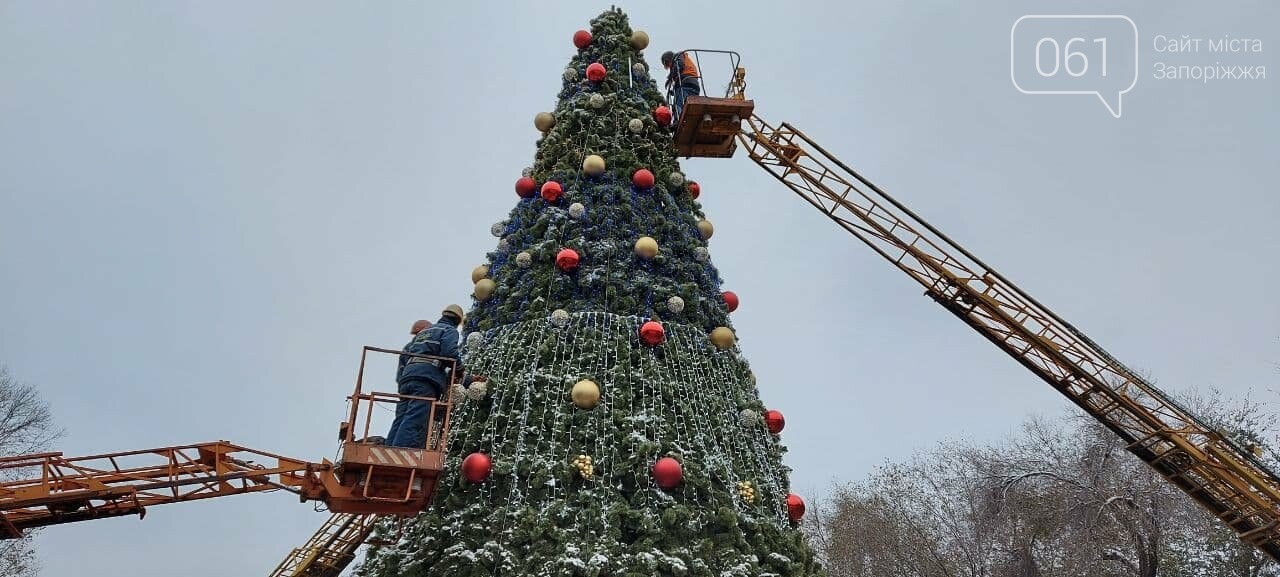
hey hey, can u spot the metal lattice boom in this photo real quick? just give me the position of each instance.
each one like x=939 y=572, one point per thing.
x=1230 y=482
x=331 y=549
x=52 y=489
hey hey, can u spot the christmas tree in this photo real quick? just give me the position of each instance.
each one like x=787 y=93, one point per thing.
x=618 y=431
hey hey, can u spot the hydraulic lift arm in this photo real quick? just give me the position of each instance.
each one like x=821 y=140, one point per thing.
x=52 y=489
x=1225 y=479
x=368 y=479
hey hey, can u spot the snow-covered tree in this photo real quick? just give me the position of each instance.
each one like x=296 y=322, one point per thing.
x=604 y=337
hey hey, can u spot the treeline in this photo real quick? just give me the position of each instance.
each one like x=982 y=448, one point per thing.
x=1061 y=498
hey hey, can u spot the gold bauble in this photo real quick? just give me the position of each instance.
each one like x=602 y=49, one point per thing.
x=646 y=247
x=722 y=337
x=484 y=289
x=639 y=40
x=593 y=165
x=543 y=121
x=585 y=394
x=479 y=272
x=704 y=227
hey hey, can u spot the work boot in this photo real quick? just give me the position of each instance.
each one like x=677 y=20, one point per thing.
x=374 y=440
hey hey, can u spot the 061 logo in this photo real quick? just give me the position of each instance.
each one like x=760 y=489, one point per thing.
x=1064 y=54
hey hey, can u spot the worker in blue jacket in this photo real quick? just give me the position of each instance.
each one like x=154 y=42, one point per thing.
x=424 y=377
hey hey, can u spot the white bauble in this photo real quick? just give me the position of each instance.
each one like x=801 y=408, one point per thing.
x=639 y=68
x=675 y=304
x=498 y=228
x=475 y=340
x=576 y=210
x=504 y=244
x=570 y=74
x=675 y=179
x=748 y=418
x=560 y=317
x=527 y=172
x=635 y=125
x=595 y=101
x=477 y=390
x=457 y=392
x=524 y=259
x=701 y=254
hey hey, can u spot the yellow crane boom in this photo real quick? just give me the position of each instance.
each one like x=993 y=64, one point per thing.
x=1228 y=481
x=331 y=549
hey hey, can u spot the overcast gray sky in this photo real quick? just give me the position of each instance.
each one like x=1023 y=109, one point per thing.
x=205 y=209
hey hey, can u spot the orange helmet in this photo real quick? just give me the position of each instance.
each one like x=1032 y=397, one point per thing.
x=419 y=326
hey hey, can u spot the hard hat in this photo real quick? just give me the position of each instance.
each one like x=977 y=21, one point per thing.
x=419 y=326
x=454 y=310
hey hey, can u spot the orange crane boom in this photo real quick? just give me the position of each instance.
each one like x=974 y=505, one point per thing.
x=368 y=479
x=1228 y=481
x=62 y=490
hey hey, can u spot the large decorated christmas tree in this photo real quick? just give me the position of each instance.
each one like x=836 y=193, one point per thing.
x=619 y=431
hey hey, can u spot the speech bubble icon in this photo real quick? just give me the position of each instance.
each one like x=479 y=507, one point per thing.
x=1075 y=54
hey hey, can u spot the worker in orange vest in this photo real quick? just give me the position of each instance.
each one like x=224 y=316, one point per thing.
x=682 y=79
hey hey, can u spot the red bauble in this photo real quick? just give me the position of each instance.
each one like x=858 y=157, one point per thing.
x=663 y=115
x=595 y=72
x=525 y=187
x=694 y=189
x=730 y=298
x=581 y=39
x=795 y=507
x=774 y=421
x=643 y=179
x=567 y=259
x=652 y=333
x=476 y=467
x=667 y=473
x=551 y=191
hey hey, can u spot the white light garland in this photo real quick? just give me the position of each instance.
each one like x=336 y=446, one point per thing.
x=680 y=396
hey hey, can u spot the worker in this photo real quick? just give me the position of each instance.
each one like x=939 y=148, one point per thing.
x=425 y=377
x=682 y=80
x=419 y=326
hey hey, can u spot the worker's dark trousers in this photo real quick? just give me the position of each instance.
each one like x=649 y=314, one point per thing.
x=409 y=427
x=687 y=88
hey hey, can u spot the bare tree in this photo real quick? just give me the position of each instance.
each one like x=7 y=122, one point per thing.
x=26 y=426
x=1061 y=498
